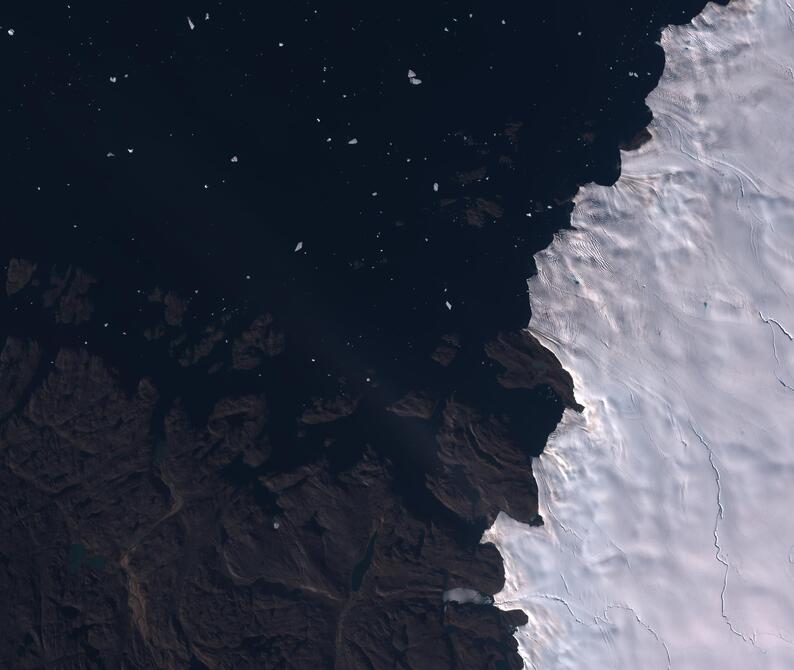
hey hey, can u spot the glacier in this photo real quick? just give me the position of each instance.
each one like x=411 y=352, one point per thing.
x=668 y=504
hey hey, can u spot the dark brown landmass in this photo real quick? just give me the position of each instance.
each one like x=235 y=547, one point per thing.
x=528 y=364
x=326 y=410
x=416 y=404
x=138 y=533
x=262 y=338
x=20 y=272
x=140 y=553
x=445 y=352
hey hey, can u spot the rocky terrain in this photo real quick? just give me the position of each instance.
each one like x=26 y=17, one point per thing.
x=135 y=534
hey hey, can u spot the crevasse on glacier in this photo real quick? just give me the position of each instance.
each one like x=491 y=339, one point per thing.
x=669 y=538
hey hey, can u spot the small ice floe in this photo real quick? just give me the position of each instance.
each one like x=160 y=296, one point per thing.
x=207 y=16
x=110 y=154
x=435 y=186
x=113 y=79
x=299 y=246
x=233 y=159
x=413 y=78
x=281 y=44
x=353 y=141
x=129 y=151
x=11 y=32
x=448 y=304
x=276 y=524
x=190 y=23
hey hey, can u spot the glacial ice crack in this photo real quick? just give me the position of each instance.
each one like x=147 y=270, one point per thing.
x=545 y=596
x=770 y=320
x=772 y=323
x=644 y=625
x=718 y=547
x=562 y=601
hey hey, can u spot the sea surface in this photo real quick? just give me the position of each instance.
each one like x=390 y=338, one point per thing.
x=517 y=106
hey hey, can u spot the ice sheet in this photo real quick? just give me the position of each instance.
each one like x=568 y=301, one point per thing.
x=669 y=504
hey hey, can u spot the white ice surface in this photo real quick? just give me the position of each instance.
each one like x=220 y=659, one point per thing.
x=669 y=504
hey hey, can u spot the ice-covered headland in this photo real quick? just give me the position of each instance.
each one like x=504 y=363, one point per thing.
x=669 y=504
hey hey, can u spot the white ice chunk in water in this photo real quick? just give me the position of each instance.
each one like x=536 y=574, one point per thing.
x=299 y=246
x=190 y=23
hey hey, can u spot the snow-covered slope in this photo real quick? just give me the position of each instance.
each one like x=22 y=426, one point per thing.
x=669 y=505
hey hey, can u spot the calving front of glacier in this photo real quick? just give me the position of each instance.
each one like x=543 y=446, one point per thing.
x=669 y=503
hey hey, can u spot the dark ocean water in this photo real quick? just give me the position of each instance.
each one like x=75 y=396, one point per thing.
x=519 y=103
x=366 y=296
